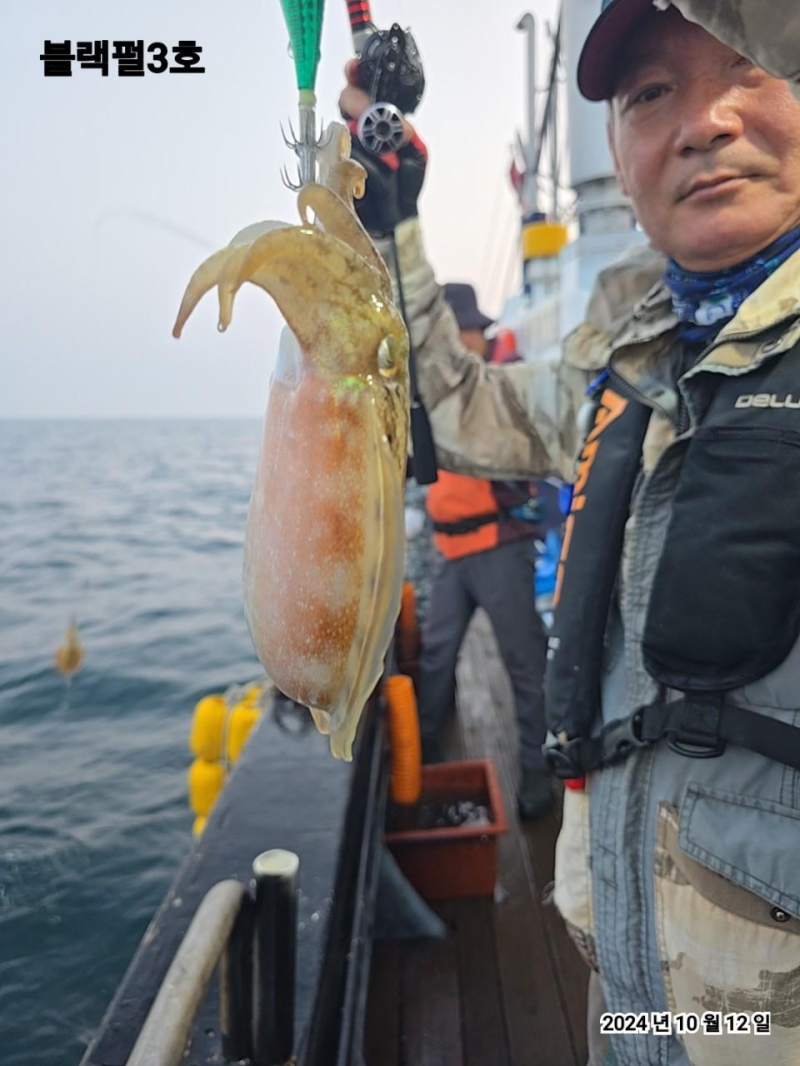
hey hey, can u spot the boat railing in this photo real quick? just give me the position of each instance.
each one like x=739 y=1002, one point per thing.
x=253 y=940
x=285 y=789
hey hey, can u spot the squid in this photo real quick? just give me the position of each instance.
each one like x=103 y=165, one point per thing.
x=325 y=541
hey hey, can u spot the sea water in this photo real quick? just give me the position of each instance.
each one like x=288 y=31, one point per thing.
x=136 y=527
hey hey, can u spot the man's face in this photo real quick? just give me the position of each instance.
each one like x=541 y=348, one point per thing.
x=474 y=340
x=706 y=145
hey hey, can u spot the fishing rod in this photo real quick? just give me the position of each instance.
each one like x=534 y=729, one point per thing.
x=390 y=71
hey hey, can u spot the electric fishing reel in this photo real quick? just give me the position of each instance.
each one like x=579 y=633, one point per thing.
x=390 y=71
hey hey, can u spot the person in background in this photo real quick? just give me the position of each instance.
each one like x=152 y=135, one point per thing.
x=485 y=533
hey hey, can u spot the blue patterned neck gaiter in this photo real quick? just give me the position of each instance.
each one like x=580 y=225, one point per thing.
x=705 y=302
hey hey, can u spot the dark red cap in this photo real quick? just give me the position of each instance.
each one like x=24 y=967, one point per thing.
x=597 y=66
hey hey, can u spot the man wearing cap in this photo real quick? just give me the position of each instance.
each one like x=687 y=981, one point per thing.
x=678 y=717
x=485 y=534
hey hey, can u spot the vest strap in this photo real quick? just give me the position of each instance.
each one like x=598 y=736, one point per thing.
x=697 y=726
x=469 y=525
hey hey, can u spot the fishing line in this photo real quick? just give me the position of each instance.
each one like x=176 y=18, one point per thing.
x=500 y=245
x=512 y=262
x=148 y=218
x=503 y=245
x=498 y=199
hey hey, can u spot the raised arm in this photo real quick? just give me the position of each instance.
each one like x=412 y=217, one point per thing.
x=490 y=421
x=518 y=420
x=512 y=421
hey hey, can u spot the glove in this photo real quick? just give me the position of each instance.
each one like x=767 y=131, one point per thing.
x=394 y=182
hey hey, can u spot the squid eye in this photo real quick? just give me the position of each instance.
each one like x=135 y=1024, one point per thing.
x=387 y=363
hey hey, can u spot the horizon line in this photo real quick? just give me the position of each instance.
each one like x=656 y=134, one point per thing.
x=128 y=418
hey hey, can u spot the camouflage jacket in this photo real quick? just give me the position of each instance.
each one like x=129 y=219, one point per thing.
x=519 y=420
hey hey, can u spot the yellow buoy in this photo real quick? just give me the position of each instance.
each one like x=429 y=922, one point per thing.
x=218 y=735
x=243 y=717
x=207 y=736
x=205 y=784
x=253 y=693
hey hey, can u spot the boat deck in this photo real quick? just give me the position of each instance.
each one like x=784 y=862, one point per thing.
x=507 y=987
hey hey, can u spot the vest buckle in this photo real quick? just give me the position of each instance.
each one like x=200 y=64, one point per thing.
x=697 y=731
x=620 y=737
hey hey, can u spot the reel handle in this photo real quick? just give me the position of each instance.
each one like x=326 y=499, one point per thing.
x=381 y=128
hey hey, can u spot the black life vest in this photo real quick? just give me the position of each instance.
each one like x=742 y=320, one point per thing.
x=724 y=608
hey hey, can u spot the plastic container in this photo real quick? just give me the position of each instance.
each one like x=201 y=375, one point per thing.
x=454 y=861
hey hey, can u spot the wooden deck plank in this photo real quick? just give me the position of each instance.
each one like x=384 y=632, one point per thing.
x=571 y=970
x=508 y=988
x=432 y=1001
x=383 y=1043
x=537 y=1020
x=537 y=1012
x=485 y=1036
x=572 y=973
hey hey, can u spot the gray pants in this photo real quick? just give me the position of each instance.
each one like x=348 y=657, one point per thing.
x=501 y=582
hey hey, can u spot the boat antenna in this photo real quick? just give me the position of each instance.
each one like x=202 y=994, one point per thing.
x=304 y=22
x=529 y=193
x=547 y=126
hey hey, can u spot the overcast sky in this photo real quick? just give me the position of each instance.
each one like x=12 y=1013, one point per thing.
x=114 y=189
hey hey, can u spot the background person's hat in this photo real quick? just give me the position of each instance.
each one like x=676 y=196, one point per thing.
x=597 y=66
x=464 y=303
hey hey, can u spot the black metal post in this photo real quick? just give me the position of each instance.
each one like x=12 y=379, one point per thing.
x=236 y=987
x=274 y=953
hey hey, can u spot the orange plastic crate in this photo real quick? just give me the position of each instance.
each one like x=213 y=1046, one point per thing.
x=454 y=861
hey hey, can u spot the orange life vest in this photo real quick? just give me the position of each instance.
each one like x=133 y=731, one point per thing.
x=460 y=501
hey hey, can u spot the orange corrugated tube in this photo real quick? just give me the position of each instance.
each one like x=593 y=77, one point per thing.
x=405 y=783
x=407 y=623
